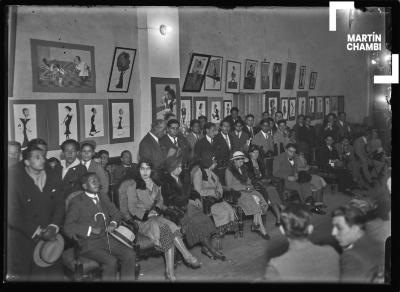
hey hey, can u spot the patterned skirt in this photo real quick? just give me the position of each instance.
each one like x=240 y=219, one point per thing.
x=252 y=203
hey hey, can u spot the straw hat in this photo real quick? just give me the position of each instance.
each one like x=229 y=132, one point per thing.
x=46 y=253
x=239 y=155
x=124 y=235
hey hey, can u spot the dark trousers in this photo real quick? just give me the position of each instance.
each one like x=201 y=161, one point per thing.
x=220 y=172
x=344 y=177
x=98 y=251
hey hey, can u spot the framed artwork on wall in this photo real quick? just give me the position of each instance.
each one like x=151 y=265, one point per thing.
x=327 y=105
x=302 y=102
x=290 y=75
x=271 y=102
x=265 y=75
x=94 y=120
x=334 y=105
x=313 y=80
x=311 y=107
x=121 y=120
x=62 y=67
x=214 y=74
x=341 y=103
x=121 y=69
x=227 y=108
x=196 y=72
x=292 y=108
x=284 y=107
x=319 y=112
x=186 y=111
x=232 y=82
x=250 y=74
x=165 y=97
x=276 y=76
x=302 y=77
x=24 y=122
x=200 y=107
x=215 y=112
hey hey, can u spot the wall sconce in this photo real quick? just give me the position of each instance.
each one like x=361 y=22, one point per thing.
x=164 y=29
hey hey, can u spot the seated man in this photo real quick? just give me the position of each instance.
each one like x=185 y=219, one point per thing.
x=304 y=261
x=125 y=169
x=346 y=154
x=89 y=219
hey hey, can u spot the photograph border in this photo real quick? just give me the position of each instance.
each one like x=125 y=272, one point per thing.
x=112 y=67
x=184 y=89
x=125 y=139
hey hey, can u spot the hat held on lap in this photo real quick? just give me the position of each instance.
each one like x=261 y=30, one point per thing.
x=46 y=253
x=124 y=235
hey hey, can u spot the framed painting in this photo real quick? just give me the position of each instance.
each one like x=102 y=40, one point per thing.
x=215 y=112
x=265 y=77
x=250 y=74
x=292 y=108
x=186 y=111
x=62 y=67
x=313 y=80
x=290 y=74
x=94 y=120
x=196 y=72
x=271 y=102
x=341 y=103
x=327 y=105
x=284 y=108
x=227 y=108
x=302 y=77
x=232 y=84
x=311 y=107
x=302 y=102
x=121 y=120
x=199 y=107
x=165 y=97
x=334 y=105
x=319 y=112
x=276 y=76
x=121 y=69
x=214 y=74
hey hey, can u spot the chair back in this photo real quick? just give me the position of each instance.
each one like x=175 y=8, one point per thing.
x=69 y=198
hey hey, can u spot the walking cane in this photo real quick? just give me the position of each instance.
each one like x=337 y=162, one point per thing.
x=105 y=226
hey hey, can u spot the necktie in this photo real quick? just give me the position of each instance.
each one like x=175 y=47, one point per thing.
x=175 y=142
x=227 y=141
x=251 y=132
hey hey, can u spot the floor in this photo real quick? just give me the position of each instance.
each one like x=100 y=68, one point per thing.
x=247 y=256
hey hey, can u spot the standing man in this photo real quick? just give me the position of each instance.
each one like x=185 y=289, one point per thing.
x=240 y=139
x=194 y=136
x=362 y=160
x=249 y=127
x=233 y=116
x=204 y=148
x=264 y=138
x=344 y=130
x=224 y=149
x=149 y=147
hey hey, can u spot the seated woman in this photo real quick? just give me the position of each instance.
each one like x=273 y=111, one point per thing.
x=145 y=205
x=196 y=226
x=251 y=201
x=257 y=174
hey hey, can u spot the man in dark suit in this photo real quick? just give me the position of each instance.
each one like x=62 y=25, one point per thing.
x=204 y=148
x=344 y=130
x=249 y=127
x=240 y=139
x=194 y=135
x=125 y=169
x=362 y=160
x=34 y=203
x=233 y=117
x=149 y=147
x=223 y=149
x=90 y=217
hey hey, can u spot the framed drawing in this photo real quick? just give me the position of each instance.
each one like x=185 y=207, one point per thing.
x=121 y=120
x=313 y=80
x=215 y=112
x=232 y=84
x=290 y=74
x=334 y=105
x=302 y=100
x=284 y=108
x=341 y=103
x=196 y=73
x=67 y=121
x=319 y=112
x=276 y=76
x=94 y=120
x=302 y=77
x=271 y=102
x=214 y=74
x=199 y=106
x=250 y=71
x=24 y=122
x=292 y=108
x=62 y=67
x=227 y=108
x=311 y=107
x=327 y=105
x=165 y=97
x=121 y=69
x=186 y=111
x=265 y=77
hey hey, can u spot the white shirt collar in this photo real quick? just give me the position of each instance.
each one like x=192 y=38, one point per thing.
x=92 y=196
x=341 y=123
x=154 y=136
x=364 y=139
x=209 y=139
x=172 y=138
x=86 y=163
x=65 y=168
x=264 y=134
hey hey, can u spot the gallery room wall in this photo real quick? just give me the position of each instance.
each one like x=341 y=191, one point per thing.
x=299 y=35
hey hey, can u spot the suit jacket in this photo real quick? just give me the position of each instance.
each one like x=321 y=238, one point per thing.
x=329 y=131
x=72 y=179
x=360 y=151
x=240 y=144
x=204 y=150
x=266 y=144
x=222 y=151
x=324 y=155
x=344 y=131
x=231 y=121
x=282 y=167
x=192 y=142
x=102 y=174
x=151 y=150
x=345 y=155
x=255 y=131
x=183 y=146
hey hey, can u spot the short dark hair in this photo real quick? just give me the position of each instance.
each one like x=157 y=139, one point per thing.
x=27 y=153
x=225 y=121
x=194 y=121
x=266 y=112
x=278 y=112
x=249 y=116
x=173 y=121
x=202 y=118
x=209 y=125
x=84 y=144
x=70 y=141
x=157 y=123
x=281 y=121
x=238 y=122
x=234 y=108
x=101 y=152
x=300 y=116
x=290 y=145
x=264 y=121
x=15 y=143
x=86 y=176
x=270 y=120
x=295 y=219
x=342 y=113
x=96 y=155
x=168 y=115
x=36 y=141
x=331 y=114
x=53 y=159
x=146 y=161
x=125 y=151
x=352 y=215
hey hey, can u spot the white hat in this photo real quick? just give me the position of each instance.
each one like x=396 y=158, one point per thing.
x=46 y=253
x=239 y=155
x=124 y=235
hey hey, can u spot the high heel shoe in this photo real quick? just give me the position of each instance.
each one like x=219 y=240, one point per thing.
x=207 y=252
x=192 y=262
x=255 y=227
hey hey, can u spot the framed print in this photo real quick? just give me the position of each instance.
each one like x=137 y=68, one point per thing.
x=186 y=111
x=94 y=120
x=250 y=74
x=311 y=107
x=276 y=76
x=121 y=69
x=121 y=120
x=292 y=108
x=214 y=74
x=200 y=106
x=165 y=97
x=215 y=112
x=271 y=102
x=62 y=67
x=313 y=80
x=68 y=121
x=319 y=113
x=196 y=73
x=302 y=100
x=232 y=84
x=302 y=77
x=227 y=108
x=290 y=74
x=327 y=105
x=334 y=105
x=284 y=108
x=341 y=103
x=25 y=123
x=265 y=76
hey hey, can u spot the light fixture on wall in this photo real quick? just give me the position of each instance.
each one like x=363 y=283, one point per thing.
x=164 y=29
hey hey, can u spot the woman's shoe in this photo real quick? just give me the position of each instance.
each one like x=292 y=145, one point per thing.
x=220 y=255
x=192 y=262
x=255 y=227
x=207 y=252
x=168 y=277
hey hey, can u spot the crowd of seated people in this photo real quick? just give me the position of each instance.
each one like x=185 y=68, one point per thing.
x=176 y=194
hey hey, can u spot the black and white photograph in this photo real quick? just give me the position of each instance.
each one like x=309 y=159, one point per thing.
x=285 y=108
x=292 y=108
x=25 y=124
x=121 y=120
x=232 y=81
x=215 y=112
x=311 y=107
x=327 y=105
x=265 y=75
x=227 y=108
x=250 y=74
x=319 y=113
x=213 y=79
x=121 y=69
x=67 y=121
x=186 y=110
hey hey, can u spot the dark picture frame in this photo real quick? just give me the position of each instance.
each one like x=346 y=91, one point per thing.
x=265 y=75
x=312 y=106
x=55 y=67
x=83 y=126
x=284 y=107
x=213 y=80
x=292 y=108
x=121 y=69
x=227 y=108
x=319 y=107
x=302 y=103
x=196 y=72
x=341 y=103
x=276 y=75
x=313 y=80
x=164 y=96
x=334 y=108
x=327 y=109
x=302 y=77
x=186 y=110
x=196 y=110
x=250 y=74
x=215 y=114
x=290 y=75
x=272 y=102
x=232 y=77
x=116 y=120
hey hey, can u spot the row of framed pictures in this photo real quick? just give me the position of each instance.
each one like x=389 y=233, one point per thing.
x=207 y=69
x=102 y=121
